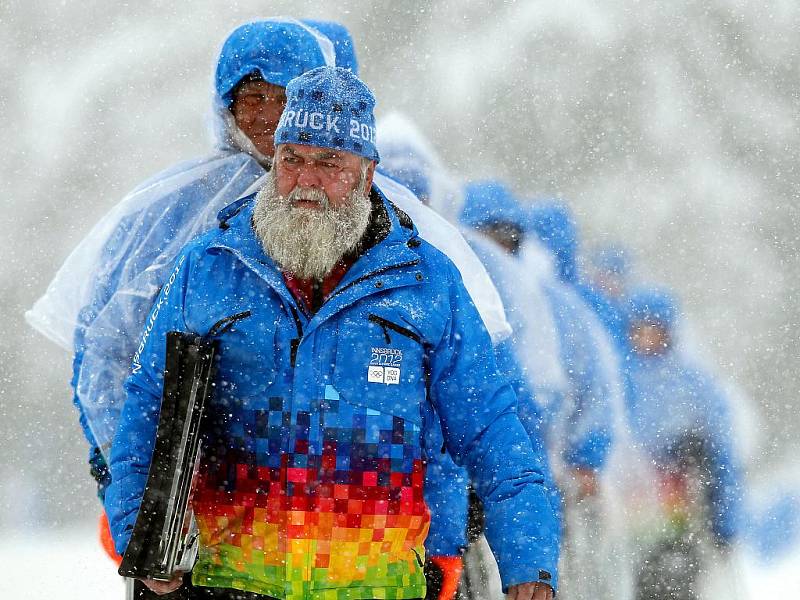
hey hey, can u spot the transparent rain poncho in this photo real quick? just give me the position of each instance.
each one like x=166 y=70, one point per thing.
x=98 y=301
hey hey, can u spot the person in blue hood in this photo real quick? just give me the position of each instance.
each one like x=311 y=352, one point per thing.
x=594 y=381
x=455 y=513
x=356 y=336
x=677 y=411
x=256 y=62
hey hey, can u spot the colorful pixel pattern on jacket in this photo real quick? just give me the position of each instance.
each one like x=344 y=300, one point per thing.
x=342 y=505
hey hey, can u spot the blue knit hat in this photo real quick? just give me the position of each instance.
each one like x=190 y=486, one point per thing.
x=329 y=107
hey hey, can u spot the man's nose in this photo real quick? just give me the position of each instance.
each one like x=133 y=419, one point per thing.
x=308 y=176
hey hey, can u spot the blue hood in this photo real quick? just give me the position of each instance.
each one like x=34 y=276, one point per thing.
x=553 y=224
x=614 y=259
x=343 y=45
x=653 y=305
x=278 y=50
x=488 y=202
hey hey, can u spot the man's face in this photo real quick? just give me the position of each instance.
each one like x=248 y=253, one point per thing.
x=649 y=339
x=256 y=108
x=313 y=209
x=334 y=172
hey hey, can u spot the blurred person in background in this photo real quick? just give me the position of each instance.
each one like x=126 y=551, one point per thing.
x=120 y=265
x=682 y=419
x=320 y=248
x=98 y=301
x=456 y=524
x=580 y=422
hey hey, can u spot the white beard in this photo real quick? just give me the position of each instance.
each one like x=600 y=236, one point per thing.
x=309 y=242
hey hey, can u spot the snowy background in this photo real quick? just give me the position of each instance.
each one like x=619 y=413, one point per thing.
x=669 y=125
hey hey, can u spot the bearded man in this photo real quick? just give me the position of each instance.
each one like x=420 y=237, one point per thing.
x=360 y=336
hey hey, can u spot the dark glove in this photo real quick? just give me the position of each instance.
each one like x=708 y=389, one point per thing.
x=476 y=521
x=99 y=470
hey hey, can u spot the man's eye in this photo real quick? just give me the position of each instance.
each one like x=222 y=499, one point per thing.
x=253 y=99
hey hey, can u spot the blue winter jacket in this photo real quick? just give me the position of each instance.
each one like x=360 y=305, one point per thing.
x=669 y=400
x=314 y=455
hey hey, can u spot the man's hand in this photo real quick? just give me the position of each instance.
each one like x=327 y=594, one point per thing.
x=165 y=587
x=530 y=591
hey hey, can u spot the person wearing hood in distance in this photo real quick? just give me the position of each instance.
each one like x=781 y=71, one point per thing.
x=593 y=375
x=407 y=157
x=682 y=420
x=582 y=423
x=328 y=500
x=97 y=303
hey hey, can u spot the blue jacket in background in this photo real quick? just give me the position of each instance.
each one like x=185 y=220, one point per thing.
x=293 y=424
x=668 y=399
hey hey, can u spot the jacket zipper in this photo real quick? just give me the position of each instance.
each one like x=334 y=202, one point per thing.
x=420 y=562
x=225 y=325
x=386 y=325
x=410 y=263
x=295 y=343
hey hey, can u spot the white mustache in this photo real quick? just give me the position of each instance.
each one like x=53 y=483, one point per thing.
x=309 y=195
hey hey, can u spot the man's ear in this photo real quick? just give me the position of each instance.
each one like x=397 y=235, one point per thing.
x=370 y=174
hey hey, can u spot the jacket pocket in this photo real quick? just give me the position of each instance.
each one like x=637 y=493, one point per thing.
x=379 y=364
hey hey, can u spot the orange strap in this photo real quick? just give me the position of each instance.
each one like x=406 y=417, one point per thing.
x=451 y=575
x=106 y=541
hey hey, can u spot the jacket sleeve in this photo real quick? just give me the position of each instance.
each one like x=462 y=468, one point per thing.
x=482 y=432
x=531 y=419
x=133 y=444
x=594 y=382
